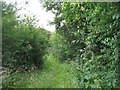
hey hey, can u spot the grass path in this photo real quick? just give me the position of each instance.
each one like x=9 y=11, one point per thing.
x=54 y=75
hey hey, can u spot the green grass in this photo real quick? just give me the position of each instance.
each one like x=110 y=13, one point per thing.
x=54 y=75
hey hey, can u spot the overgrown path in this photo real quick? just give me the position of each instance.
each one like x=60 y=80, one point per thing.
x=54 y=75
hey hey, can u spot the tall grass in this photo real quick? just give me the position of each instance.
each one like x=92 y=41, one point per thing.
x=54 y=75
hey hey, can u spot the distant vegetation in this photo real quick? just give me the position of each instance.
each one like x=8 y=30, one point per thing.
x=82 y=53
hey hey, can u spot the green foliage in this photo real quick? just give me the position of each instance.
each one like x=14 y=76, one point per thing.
x=86 y=38
x=23 y=44
x=59 y=47
x=92 y=32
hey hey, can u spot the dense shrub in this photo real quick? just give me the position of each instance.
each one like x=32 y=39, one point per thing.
x=92 y=32
x=23 y=44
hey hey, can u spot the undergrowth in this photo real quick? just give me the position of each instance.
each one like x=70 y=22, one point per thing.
x=54 y=75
